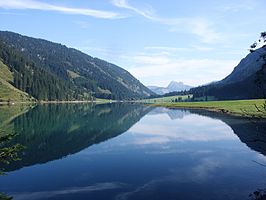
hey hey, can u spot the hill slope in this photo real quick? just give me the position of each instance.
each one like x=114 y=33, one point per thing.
x=247 y=67
x=247 y=81
x=78 y=75
x=7 y=90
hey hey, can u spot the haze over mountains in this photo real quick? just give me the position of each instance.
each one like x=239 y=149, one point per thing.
x=173 y=86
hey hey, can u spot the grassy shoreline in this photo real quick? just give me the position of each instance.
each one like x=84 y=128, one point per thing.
x=243 y=108
x=56 y=102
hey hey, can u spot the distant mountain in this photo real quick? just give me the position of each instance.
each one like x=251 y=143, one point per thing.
x=158 y=90
x=247 y=81
x=51 y=71
x=172 y=87
x=177 y=86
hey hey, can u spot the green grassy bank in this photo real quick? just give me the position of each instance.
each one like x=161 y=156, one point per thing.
x=166 y=99
x=246 y=108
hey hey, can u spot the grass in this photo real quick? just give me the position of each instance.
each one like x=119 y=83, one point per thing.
x=235 y=107
x=7 y=91
x=5 y=73
x=166 y=99
x=103 y=101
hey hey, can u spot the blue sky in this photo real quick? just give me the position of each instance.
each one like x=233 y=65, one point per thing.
x=157 y=41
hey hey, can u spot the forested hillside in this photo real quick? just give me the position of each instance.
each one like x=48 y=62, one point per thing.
x=51 y=71
x=7 y=89
x=28 y=78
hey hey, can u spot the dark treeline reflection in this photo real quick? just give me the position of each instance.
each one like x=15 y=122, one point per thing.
x=252 y=132
x=51 y=132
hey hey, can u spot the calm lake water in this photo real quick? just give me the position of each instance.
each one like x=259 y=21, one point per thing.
x=127 y=151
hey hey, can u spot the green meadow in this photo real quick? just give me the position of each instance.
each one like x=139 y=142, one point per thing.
x=7 y=91
x=248 y=108
x=167 y=99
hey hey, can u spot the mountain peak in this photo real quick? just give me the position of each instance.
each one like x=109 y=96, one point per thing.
x=173 y=86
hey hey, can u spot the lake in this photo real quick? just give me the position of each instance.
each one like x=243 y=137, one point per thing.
x=135 y=152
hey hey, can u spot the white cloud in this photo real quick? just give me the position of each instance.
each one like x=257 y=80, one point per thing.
x=147 y=133
x=145 y=12
x=81 y=24
x=197 y=26
x=178 y=49
x=166 y=49
x=205 y=169
x=203 y=29
x=165 y=68
x=200 y=27
x=202 y=48
x=12 y=13
x=68 y=191
x=158 y=65
x=35 y=5
x=235 y=6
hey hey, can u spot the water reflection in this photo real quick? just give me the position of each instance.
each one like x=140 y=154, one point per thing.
x=187 y=128
x=53 y=131
x=172 y=113
x=162 y=154
x=250 y=132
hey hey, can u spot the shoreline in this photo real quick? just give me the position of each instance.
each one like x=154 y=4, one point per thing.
x=233 y=108
x=238 y=108
x=222 y=111
x=53 y=102
x=17 y=103
x=69 y=102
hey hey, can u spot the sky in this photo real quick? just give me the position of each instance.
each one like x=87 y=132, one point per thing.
x=195 y=42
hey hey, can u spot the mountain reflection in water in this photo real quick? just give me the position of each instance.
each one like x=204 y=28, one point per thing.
x=131 y=151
